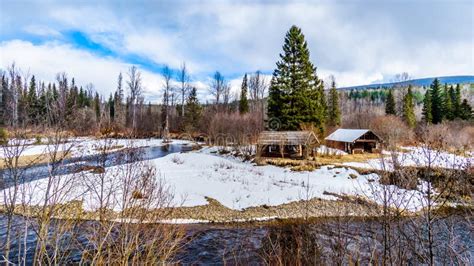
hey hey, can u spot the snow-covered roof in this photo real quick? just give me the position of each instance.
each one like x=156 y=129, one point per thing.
x=346 y=135
x=287 y=138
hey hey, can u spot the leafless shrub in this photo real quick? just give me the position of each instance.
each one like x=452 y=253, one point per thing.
x=135 y=232
x=84 y=121
x=455 y=136
x=235 y=130
x=392 y=130
x=293 y=244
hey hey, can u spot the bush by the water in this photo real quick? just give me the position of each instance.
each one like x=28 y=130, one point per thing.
x=3 y=136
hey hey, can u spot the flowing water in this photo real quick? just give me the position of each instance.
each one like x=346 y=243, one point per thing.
x=72 y=165
x=248 y=243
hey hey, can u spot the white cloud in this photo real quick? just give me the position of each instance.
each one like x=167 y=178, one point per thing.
x=358 y=42
x=48 y=59
x=42 y=30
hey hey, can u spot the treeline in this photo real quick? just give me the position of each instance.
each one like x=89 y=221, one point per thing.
x=438 y=104
x=379 y=95
x=445 y=104
x=29 y=103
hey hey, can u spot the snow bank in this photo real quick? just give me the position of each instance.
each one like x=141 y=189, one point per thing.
x=418 y=156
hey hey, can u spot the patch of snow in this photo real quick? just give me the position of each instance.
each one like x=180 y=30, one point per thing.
x=417 y=156
x=233 y=183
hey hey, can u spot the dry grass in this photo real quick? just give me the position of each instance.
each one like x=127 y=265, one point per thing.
x=337 y=159
x=29 y=160
x=316 y=162
x=214 y=211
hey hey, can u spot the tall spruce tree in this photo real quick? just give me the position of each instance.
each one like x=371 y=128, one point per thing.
x=244 y=103
x=390 y=104
x=323 y=104
x=409 y=108
x=111 y=105
x=192 y=110
x=465 y=110
x=32 y=101
x=457 y=101
x=97 y=106
x=3 y=96
x=437 y=102
x=448 y=104
x=295 y=91
x=427 y=112
x=334 y=112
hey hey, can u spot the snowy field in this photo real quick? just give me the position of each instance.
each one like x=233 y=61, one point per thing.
x=418 y=156
x=193 y=176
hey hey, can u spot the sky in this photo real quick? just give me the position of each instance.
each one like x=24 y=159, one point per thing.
x=359 y=42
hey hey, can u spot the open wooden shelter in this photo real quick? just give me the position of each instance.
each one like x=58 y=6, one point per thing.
x=353 y=140
x=286 y=144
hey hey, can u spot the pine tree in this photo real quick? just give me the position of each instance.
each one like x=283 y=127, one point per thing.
x=243 y=103
x=448 y=104
x=294 y=98
x=3 y=94
x=457 y=101
x=42 y=104
x=466 y=110
x=97 y=106
x=192 y=110
x=437 y=102
x=334 y=113
x=427 y=111
x=81 y=98
x=111 y=105
x=390 y=104
x=409 y=108
x=32 y=101
x=118 y=100
x=322 y=104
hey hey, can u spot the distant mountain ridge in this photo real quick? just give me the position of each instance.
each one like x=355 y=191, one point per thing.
x=415 y=82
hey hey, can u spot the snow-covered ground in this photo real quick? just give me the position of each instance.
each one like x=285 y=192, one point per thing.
x=195 y=175
x=418 y=156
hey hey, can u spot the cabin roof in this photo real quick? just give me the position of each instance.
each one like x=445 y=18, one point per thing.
x=347 y=135
x=287 y=138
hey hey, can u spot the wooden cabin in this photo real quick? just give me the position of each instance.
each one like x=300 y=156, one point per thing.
x=286 y=144
x=353 y=140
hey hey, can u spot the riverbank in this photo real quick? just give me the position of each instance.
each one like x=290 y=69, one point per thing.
x=215 y=212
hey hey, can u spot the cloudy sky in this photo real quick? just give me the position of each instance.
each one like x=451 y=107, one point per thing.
x=359 y=42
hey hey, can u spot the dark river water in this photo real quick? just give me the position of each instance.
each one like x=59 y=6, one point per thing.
x=72 y=165
x=331 y=240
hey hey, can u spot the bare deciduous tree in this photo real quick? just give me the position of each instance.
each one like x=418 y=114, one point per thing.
x=258 y=86
x=217 y=86
x=135 y=88
x=167 y=97
x=183 y=78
